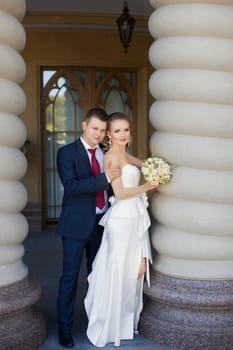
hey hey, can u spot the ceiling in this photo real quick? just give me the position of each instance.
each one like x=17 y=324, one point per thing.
x=136 y=7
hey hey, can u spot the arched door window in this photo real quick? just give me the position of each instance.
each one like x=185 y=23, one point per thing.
x=66 y=95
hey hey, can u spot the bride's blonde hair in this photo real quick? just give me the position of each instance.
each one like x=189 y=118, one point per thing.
x=111 y=118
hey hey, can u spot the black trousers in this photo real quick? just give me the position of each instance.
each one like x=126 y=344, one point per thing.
x=73 y=250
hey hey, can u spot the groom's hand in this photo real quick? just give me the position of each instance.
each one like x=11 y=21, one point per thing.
x=113 y=172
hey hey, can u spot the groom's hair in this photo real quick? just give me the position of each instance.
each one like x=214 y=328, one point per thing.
x=96 y=112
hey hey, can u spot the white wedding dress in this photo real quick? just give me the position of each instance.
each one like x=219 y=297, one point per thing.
x=114 y=298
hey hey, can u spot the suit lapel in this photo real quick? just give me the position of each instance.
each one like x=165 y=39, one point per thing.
x=82 y=154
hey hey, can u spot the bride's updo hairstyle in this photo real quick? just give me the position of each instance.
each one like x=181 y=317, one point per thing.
x=117 y=116
x=111 y=118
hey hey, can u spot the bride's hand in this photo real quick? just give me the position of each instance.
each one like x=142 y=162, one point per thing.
x=142 y=164
x=151 y=185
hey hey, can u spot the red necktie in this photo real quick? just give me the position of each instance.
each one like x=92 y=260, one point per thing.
x=100 y=201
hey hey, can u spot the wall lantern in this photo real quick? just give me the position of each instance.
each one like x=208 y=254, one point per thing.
x=125 y=24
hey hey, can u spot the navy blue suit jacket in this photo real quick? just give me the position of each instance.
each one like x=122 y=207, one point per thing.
x=80 y=187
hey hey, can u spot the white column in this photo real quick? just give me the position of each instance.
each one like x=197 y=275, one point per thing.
x=190 y=302
x=193 y=117
x=21 y=325
x=13 y=165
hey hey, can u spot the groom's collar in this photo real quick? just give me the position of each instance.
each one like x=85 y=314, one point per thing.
x=86 y=144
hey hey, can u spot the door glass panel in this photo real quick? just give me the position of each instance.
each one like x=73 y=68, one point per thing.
x=63 y=118
x=114 y=101
x=47 y=75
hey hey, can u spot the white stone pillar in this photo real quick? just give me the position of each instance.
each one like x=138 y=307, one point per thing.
x=15 y=283
x=193 y=117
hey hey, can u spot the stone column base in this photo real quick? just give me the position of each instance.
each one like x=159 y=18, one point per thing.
x=22 y=326
x=188 y=314
x=32 y=212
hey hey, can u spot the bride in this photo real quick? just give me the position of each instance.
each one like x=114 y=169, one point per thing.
x=114 y=298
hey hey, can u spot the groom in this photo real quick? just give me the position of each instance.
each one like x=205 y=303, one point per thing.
x=78 y=166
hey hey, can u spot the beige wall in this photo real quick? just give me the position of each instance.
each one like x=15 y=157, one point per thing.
x=50 y=45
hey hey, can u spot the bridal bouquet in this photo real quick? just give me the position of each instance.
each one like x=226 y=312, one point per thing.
x=156 y=169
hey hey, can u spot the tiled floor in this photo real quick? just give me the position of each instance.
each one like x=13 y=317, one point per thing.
x=43 y=257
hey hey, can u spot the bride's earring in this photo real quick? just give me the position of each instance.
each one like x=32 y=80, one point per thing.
x=130 y=141
x=110 y=142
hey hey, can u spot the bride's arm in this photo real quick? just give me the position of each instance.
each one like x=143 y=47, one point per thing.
x=134 y=160
x=119 y=190
x=127 y=192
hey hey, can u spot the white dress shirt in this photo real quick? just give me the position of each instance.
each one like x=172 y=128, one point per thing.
x=100 y=157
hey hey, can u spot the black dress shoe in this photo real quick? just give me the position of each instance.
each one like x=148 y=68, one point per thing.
x=65 y=339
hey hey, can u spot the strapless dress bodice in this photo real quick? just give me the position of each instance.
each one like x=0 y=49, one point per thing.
x=130 y=175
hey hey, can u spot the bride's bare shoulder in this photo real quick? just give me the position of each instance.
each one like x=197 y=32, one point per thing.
x=134 y=160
